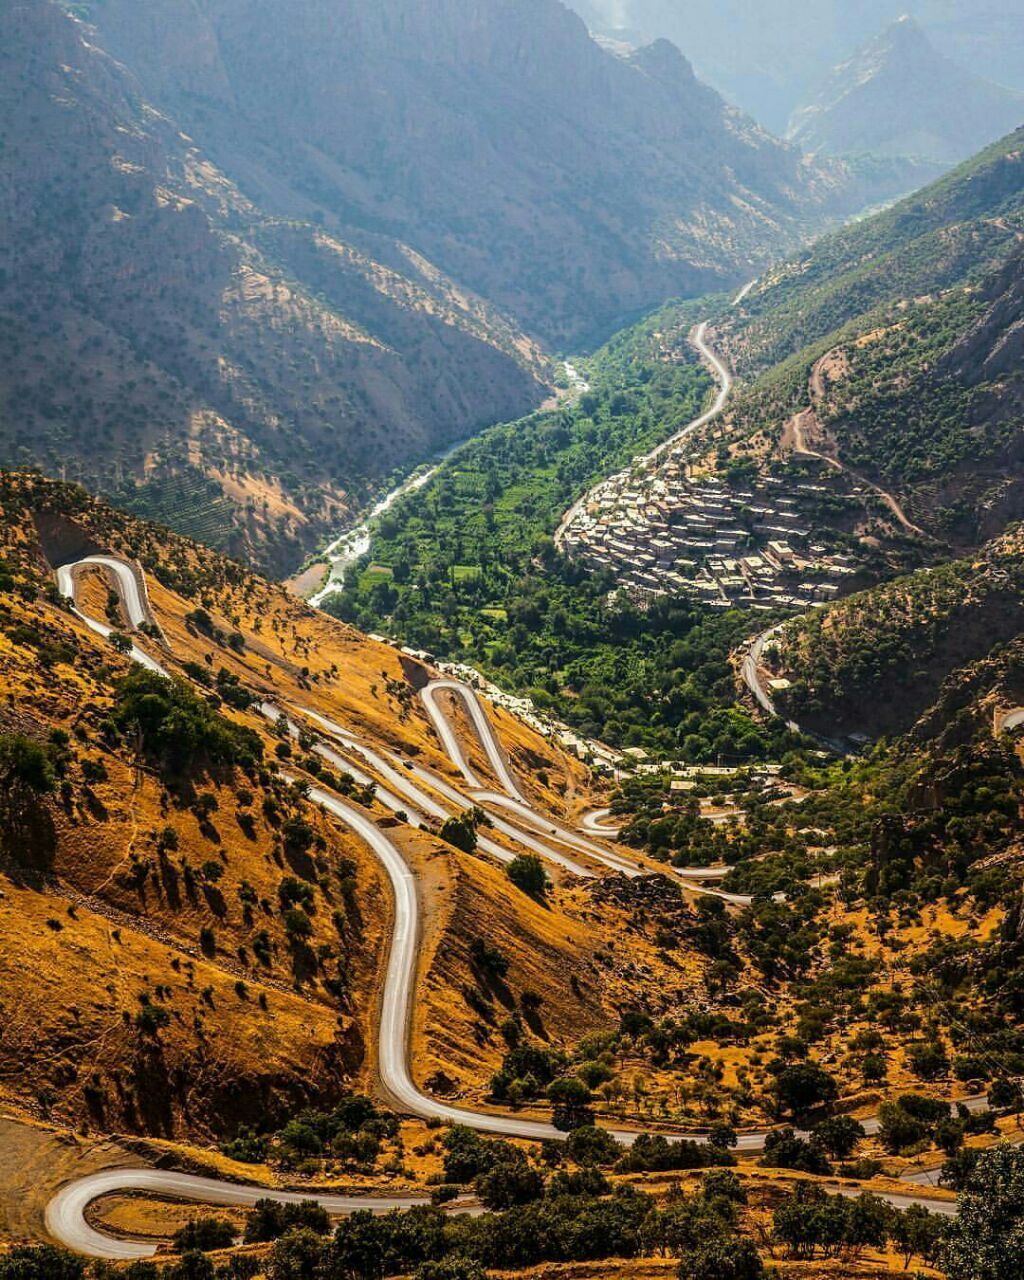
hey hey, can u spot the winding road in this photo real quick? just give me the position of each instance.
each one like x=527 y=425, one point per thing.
x=723 y=375
x=411 y=789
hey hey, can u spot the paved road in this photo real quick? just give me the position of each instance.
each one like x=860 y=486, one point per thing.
x=693 y=878
x=723 y=374
x=1010 y=720
x=66 y=1220
x=136 y=605
x=596 y=823
x=66 y=1213
x=751 y=672
x=484 y=731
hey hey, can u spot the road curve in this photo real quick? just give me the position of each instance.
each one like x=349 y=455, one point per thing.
x=484 y=731
x=692 y=878
x=66 y=1213
x=136 y=605
x=596 y=825
x=723 y=374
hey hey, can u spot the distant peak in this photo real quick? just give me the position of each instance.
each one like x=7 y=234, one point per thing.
x=662 y=58
x=906 y=30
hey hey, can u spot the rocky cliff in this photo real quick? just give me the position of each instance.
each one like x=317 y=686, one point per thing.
x=164 y=337
x=566 y=185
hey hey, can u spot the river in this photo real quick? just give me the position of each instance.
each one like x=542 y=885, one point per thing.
x=352 y=544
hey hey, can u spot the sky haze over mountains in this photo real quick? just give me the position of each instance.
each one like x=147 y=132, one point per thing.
x=770 y=56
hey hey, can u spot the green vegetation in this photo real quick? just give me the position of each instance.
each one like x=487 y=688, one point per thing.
x=28 y=775
x=474 y=575
x=526 y=871
x=351 y=1134
x=204 y=1234
x=948 y=233
x=178 y=730
x=901 y=640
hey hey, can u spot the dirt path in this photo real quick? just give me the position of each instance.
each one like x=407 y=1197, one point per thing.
x=795 y=436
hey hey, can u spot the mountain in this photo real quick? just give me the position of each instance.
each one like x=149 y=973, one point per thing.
x=877 y=662
x=768 y=57
x=565 y=185
x=892 y=350
x=245 y=376
x=897 y=96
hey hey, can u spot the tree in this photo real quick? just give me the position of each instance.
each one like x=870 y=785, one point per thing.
x=928 y=1060
x=722 y=1135
x=526 y=871
x=509 y=1183
x=784 y=1149
x=41 y=1262
x=204 y=1234
x=270 y=1219
x=838 y=1136
x=454 y=1268
x=917 y=1233
x=1005 y=1095
x=296 y=1256
x=589 y=1145
x=192 y=1266
x=803 y=1085
x=722 y=1259
x=460 y=832
x=985 y=1241
x=570 y=1098
x=26 y=776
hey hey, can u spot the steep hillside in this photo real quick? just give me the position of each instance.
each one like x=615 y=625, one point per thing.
x=957 y=229
x=889 y=351
x=165 y=339
x=897 y=96
x=153 y=980
x=566 y=185
x=876 y=662
x=191 y=947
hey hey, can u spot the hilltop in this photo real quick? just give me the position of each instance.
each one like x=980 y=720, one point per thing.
x=769 y=58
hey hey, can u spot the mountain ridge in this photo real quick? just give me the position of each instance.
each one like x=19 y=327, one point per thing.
x=248 y=378
x=898 y=96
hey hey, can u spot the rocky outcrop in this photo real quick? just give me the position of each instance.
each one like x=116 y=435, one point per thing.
x=993 y=349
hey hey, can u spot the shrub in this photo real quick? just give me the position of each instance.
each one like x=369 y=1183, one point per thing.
x=177 y=729
x=204 y=1234
x=526 y=871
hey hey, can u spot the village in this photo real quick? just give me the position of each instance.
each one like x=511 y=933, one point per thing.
x=662 y=531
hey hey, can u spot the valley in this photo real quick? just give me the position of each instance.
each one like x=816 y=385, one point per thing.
x=66 y=1213
x=511 y=642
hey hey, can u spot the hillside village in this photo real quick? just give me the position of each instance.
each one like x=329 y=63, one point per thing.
x=664 y=531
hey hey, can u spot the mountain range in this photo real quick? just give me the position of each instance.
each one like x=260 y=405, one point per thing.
x=897 y=96
x=769 y=57
x=244 y=375
x=250 y=267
